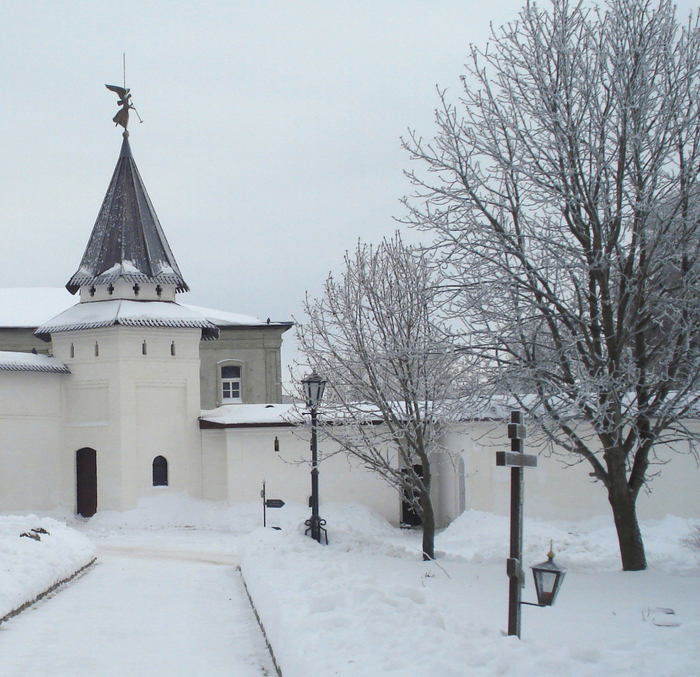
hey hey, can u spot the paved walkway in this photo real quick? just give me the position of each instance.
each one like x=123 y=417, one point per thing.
x=141 y=613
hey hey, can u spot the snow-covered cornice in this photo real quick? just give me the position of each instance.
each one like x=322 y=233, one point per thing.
x=127 y=314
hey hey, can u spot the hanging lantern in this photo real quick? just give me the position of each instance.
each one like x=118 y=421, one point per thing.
x=313 y=390
x=548 y=579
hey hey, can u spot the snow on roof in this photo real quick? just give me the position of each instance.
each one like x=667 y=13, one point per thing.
x=32 y=306
x=126 y=313
x=221 y=318
x=253 y=415
x=121 y=268
x=11 y=361
x=234 y=415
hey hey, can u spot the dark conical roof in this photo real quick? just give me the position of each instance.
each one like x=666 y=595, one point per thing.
x=127 y=241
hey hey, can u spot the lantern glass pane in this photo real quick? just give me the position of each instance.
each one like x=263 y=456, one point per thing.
x=547 y=579
x=313 y=389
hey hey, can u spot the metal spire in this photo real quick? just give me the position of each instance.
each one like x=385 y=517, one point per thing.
x=127 y=240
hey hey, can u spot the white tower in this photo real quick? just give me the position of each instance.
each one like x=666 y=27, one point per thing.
x=132 y=401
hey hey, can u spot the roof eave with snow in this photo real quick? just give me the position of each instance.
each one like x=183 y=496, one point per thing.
x=100 y=314
x=15 y=361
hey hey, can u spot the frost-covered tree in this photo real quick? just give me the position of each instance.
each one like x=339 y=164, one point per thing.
x=563 y=188
x=392 y=374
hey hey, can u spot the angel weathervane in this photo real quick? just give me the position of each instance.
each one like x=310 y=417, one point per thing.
x=122 y=116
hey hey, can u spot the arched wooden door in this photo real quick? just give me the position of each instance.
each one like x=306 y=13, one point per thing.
x=86 y=481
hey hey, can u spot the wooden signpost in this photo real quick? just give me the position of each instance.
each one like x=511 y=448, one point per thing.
x=516 y=460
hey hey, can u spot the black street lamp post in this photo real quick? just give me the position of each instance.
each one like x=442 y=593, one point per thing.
x=313 y=393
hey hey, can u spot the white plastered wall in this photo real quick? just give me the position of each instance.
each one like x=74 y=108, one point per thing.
x=247 y=457
x=552 y=490
x=30 y=426
x=131 y=407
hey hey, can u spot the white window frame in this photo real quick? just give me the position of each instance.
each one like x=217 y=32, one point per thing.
x=229 y=383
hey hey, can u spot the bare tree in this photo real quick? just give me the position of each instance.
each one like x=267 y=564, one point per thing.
x=391 y=372
x=563 y=188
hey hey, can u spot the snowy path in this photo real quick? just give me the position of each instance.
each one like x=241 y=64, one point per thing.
x=147 y=611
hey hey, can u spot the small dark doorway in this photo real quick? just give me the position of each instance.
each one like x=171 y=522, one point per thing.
x=160 y=471
x=409 y=516
x=86 y=481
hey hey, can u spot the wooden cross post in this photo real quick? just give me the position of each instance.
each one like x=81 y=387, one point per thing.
x=517 y=461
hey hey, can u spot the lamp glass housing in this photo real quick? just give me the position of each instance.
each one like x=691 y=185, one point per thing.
x=548 y=579
x=314 y=386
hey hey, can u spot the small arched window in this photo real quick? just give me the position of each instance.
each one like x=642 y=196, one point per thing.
x=160 y=471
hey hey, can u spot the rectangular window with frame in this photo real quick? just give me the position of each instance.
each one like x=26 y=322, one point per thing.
x=231 y=383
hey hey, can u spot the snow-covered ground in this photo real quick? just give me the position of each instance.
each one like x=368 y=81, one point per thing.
x=367 y=605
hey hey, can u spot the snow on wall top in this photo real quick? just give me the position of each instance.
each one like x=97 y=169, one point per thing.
x=230 y=415
x=12 y=361
x=241 y=415
x=126 y=313
x=222 y=318
x=234 y=415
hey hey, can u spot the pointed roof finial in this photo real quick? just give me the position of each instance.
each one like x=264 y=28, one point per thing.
x=122 y=116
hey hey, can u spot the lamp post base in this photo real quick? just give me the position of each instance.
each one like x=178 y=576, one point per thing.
x=315 y=529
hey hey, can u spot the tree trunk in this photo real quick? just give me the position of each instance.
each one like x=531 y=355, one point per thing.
x=428 y=518
x=629 y=535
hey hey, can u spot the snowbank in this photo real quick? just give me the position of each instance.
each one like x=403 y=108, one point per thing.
x=173 y=510
x=30 y=565
x=589 y=546
x=367 y=605
x=328 y=611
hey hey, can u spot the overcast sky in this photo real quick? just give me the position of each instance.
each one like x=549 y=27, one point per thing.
x=271 y=134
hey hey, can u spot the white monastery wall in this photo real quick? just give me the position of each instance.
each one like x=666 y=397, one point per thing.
x=214 y=465
x=30 y=426
x=553 y=491
x=237 y=460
